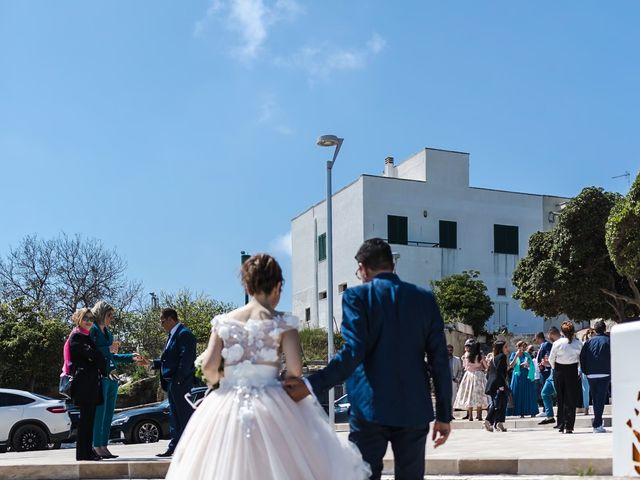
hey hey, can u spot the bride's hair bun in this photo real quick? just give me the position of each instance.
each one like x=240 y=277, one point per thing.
x=261 y=274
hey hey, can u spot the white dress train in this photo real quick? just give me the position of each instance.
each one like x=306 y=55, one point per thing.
x=250 y=429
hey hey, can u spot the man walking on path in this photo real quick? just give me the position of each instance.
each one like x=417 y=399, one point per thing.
x=595 y=362
x=544 y=350
x=388 y=325
x=548 y=389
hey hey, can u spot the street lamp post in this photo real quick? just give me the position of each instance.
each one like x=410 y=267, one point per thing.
x=244 y=256
x=330 y=141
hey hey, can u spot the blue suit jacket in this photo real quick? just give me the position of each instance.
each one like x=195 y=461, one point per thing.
x=177 y=361
x=595 y=356
x=388 y=326
x=545 y=349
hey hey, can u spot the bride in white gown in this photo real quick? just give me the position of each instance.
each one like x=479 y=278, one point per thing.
x=249 y=428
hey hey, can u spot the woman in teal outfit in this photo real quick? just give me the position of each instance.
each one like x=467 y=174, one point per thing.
x=103 y=338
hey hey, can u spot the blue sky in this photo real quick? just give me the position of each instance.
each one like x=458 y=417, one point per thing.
x=180 y=133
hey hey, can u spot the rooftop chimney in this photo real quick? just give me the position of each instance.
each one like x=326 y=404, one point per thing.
x=389 y=168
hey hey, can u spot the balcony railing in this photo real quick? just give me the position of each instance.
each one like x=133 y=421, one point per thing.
x=413 y=243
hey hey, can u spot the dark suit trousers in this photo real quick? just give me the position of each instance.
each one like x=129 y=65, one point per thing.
x=179 y=410
x=569 y=392
x=408 y=446
x=497 y=407
x=84 y=440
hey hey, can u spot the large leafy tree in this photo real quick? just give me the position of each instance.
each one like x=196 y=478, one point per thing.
x=30 y=347
x=568 y=270
x=462 y=297
x=623 y=245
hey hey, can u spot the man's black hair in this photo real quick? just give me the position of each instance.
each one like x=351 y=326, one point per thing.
x=600 y=327
x=375 y=254
x=170 y=314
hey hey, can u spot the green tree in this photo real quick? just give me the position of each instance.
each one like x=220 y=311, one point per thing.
x=623 y=244
x=30 y=347
x=141 y=331
x=196 y=311
x=462 y=297
x=568 y=270
x=315 y=346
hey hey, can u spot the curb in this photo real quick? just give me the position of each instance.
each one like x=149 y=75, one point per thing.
x=434 y=466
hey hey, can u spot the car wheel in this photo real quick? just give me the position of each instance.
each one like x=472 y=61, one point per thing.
x=29 y=437
x=146 y=431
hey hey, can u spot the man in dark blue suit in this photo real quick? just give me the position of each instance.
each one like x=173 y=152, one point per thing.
x=177 y=370
x=388 y=326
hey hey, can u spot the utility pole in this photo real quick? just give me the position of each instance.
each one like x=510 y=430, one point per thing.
x=244 y=256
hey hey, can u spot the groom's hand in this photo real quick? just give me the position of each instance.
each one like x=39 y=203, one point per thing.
x=440 y=434
x=295 y=388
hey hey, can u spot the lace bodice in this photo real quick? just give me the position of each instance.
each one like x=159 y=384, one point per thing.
x=253 y=341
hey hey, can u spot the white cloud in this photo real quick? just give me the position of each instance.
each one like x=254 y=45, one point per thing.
x=320 y=61
x=281 y=245
x=201 y=25
x=272 y=115
x=376 y=44
x=250 y=19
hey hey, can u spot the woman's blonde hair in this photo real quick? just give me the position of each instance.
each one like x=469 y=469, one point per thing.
x=79 y=315
x=100 y=311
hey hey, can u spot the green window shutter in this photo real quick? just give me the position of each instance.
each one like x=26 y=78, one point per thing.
x=397 y=229
x=322 y=247
x=505 y=239
x=448 y=234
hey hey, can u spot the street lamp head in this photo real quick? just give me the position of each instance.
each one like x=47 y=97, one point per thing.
x=329 y=141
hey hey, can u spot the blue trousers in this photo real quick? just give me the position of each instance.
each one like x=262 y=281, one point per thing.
x=104 y=413
x=585 y=390
x=179 y=410
x=408 y=446
x=547 y=393
x=599 y=394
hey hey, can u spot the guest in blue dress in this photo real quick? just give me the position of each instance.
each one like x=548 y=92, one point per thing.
x=523 y=383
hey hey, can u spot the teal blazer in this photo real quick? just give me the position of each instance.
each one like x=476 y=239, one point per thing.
x=103 y=341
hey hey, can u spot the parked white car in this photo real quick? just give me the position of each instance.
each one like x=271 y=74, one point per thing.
x=29 y=421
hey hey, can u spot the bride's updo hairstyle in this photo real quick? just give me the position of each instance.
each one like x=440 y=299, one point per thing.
x=261 y=274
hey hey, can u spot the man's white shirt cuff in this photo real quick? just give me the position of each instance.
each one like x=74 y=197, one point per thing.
x=306 y=382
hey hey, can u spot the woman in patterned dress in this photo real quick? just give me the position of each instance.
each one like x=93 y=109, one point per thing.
x=471 y=391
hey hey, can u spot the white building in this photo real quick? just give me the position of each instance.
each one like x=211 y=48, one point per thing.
x=435 y=221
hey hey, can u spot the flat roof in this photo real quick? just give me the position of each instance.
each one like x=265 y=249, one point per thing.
x=442 y=150
x=423 y=181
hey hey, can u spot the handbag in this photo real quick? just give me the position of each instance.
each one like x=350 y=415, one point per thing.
x=65 y=385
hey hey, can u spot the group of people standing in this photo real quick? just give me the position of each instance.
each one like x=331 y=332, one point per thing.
x=91 y=356
x=576 y=371
x=509 y=383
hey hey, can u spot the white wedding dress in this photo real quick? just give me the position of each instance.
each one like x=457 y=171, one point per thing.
x=249 y=428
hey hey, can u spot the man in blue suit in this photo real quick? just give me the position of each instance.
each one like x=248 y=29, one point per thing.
x=177 y=370
x=388 y=326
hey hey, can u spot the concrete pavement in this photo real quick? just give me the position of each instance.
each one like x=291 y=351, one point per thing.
x=533 y=452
